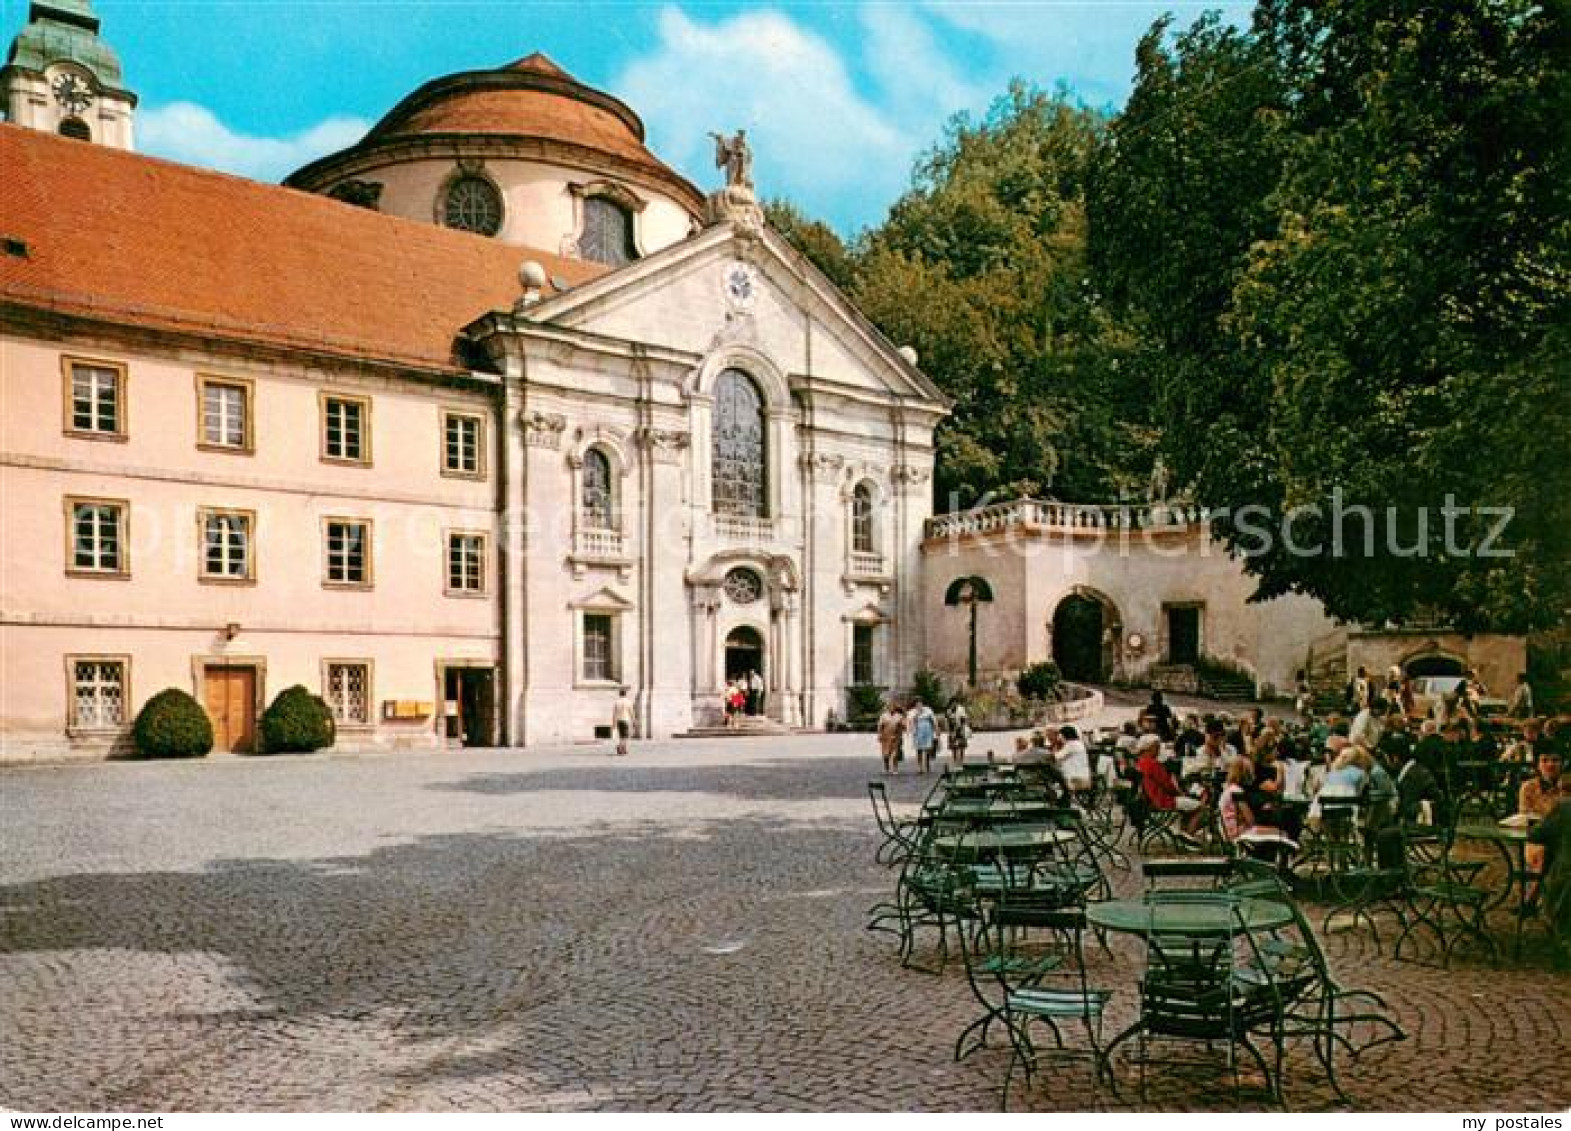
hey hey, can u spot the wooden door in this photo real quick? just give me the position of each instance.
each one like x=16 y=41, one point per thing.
x=231 y=704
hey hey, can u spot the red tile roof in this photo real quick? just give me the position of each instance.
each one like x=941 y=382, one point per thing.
x=133 y=239
x=527 y=102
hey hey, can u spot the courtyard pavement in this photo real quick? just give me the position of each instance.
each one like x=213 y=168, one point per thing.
x=682 y=929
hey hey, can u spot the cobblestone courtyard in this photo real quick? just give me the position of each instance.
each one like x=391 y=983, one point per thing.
x=495 y=930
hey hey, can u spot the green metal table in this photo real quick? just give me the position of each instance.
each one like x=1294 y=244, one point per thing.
x=979 y=808
x=1195 y=919
x=998 y=840
x=1511 y=842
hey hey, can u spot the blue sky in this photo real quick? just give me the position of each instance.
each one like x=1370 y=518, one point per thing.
x=839 y=98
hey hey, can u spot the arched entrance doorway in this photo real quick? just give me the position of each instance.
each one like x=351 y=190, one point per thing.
x=1433 y=665
x=1080 y=637
x=744 y=656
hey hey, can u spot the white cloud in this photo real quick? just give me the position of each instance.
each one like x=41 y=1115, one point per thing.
x=184 y=131
x=1087 y=44
x=918 y=78
x=816 y=139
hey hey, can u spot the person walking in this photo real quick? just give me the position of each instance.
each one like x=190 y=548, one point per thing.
x=924 y=734
x=1521 y=706
x=891 y=730
x=622 y=721
x=959 y=732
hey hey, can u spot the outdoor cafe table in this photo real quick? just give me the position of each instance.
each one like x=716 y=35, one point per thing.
x=981 y=808
x=1511 y=842
x=1002 y=839
x=1186 y=919
x=1194 y=920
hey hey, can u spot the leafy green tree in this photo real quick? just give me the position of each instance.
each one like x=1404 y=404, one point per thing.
x=1342 y=240
x=815 y=239
x=981 y=267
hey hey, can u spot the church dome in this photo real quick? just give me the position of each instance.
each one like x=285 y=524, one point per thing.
x=516 y=128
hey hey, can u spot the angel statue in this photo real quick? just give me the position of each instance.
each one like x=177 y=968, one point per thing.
x=734 y=156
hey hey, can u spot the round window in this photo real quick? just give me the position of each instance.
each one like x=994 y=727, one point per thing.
x=473 y=205
x=743 y=586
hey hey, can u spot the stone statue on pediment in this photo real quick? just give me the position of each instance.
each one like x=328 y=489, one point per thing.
x=735 y=156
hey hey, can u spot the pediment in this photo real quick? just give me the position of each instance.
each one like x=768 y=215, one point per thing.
x=604 y=599
x=725 y=288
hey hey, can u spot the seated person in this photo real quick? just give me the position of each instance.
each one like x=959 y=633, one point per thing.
x=1416 y=784
x=1540 y=794
x=1238 y=820
x=1538 y=797
x=1526 y=746
x=1552 y=838
x=1159 y=716
x=1347 y=778
x=1189 y=738
x=1315 y=776
x=1159 y=787
x=1268 y=786
x=1074 y=760
x=1214 y=753
x=1038 y=765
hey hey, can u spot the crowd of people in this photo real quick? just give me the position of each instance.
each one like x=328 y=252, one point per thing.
x=1258 y=782
x=743 y=697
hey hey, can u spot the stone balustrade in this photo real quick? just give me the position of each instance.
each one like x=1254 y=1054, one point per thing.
x=1038 y=514
x=867 y=565
x=746 y=529
x=598 y=544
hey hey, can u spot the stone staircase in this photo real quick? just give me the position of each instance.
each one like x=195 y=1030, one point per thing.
x=1326 y=667
x=747 y=726
x=1227 y=687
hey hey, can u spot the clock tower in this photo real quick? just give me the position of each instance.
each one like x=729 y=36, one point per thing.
x=61 y=77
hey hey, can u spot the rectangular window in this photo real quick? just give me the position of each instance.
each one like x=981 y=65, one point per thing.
x=227 y=545
x=862 y=654
x=97 y=536
x=347 y=545
x=465 y=563
x=346 y=429
x=226 y=414
x=463 y=439
x=98 y=693
x=598 y=662
x=95 y=399
x=348 y=693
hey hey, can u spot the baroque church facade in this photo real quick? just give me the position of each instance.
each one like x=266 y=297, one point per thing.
x=464 y=428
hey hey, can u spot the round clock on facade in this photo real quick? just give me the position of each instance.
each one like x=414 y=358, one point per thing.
x=739 y=286
x=72 y=92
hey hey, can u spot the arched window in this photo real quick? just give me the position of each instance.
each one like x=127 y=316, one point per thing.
x=740 y=476
x=597 y=508
x=75 y=127
x=862 y=519
x=608 y=232
x=473 y=205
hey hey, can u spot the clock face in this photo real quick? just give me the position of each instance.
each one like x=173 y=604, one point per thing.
x=739 y=284
x=73 y=93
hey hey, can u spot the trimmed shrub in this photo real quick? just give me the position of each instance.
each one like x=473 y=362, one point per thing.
x=296 y=722
x=172 y=725
x=864 y=703
x=1039 y=681
x=928 y=686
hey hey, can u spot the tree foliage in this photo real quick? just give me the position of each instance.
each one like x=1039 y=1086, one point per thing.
x=981 y=268
x=1342 y=240
x=1322 y=264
